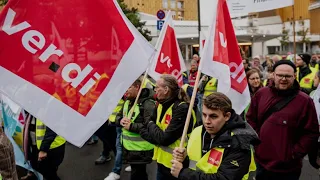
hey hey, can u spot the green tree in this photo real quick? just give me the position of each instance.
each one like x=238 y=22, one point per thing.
x=3 y=2
x=132 y=15
x=303 y=33
x=284 y=41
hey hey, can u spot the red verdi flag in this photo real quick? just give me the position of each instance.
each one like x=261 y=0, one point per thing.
x=67 y=62
x=169 y=59
x=221 y=58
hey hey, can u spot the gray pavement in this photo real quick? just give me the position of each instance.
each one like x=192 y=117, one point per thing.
x=79 y=165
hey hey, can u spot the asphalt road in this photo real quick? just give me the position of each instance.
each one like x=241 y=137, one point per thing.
x=79 y=165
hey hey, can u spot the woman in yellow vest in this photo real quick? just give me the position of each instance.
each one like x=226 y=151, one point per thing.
x=221 y=148
x=136 y=151
x=167 y=123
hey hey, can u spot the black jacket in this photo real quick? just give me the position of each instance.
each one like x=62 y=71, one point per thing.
x=237 y=149
x=155 y=135
x=147 y=106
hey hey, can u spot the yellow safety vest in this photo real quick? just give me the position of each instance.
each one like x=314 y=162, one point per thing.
x=41 y=131
x=133 y=141
x=185 y=87
x=265 y=82
x=112 y=117
x=307 y=81
x=210 y=87
x=163 y=154
x=211 y=161
x=148 y=84
x=314 y=69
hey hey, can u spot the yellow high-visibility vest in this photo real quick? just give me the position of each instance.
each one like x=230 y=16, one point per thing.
x=206 y=163
x=41 y=131
x=314 y=69
x=307 y=81
x=112 y=117
x=265 y=82
x=163 y=154
x=148 y=84
x=210 y=87
x=130 y=140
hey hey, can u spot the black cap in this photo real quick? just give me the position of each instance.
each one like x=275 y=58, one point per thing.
x=287 y=62
x=305 y=57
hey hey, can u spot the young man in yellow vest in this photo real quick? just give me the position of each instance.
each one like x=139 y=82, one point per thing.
x=221 y=148
x=305 y=75
x=136 y=151
x=167 y=123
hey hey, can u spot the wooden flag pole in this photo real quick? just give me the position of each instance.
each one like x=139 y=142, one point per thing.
x=193 y=98
x=195 y=88
x=142 y=83
x=294 y=34
x=139 y=93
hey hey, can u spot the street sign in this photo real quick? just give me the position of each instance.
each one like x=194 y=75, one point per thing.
x=161 y=14
x=159 y=25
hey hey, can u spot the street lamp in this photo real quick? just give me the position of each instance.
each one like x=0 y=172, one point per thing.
x=199 y=23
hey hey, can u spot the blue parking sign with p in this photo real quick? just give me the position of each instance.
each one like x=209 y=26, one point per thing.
x=159 y=25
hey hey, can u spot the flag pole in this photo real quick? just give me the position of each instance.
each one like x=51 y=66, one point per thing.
x=294 y=34
x=193 y=98
x=194 y=92
x=139 y=93
x=142 y=83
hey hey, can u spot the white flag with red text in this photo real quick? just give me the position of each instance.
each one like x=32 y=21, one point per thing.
x=221 y=58
x=168 y=59
x=69 y=62
x=202 y=41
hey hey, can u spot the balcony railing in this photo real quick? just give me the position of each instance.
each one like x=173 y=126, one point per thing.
x=314 y=5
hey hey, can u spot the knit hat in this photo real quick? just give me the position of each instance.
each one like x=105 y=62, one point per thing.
x=305 y=57
x=284 y=62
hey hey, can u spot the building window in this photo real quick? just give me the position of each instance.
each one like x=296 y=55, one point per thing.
x=180 y=15
x=180 y=5
x=273 y=49
x=173 y=14
x=173 y=4
x=165 y=4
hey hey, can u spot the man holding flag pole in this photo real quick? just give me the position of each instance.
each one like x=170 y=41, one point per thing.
x=225 y=153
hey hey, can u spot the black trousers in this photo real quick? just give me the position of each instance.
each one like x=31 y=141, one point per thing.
x=108 y=135
x=48 y=167
x=139 y=172
x=263 y=174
